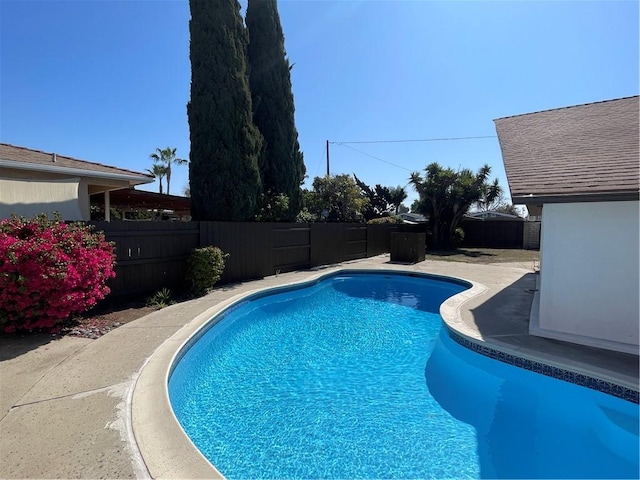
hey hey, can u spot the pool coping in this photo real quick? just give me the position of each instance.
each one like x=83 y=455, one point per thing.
x=167 y=450
x=459 y=331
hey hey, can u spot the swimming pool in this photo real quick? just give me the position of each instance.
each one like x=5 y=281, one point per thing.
x=354 y=377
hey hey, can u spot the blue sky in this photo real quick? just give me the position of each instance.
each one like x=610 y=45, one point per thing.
x=108 y=81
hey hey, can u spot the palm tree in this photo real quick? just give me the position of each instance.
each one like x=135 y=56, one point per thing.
x=165 y=158
x=446 y=195
x=159 y=171
x=397 y=195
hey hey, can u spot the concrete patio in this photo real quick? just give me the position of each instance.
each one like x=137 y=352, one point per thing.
x=80 y=408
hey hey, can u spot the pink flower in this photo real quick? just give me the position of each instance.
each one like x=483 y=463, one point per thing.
x=50 y=270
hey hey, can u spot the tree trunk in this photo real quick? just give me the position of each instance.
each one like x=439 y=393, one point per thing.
x=435 y=232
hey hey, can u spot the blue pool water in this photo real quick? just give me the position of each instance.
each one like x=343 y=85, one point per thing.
x=355 y=377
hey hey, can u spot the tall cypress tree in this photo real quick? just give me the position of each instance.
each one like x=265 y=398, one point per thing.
x=281 y=162
x=224 y=176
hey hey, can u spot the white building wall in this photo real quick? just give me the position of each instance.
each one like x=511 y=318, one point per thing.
x=28 y=197
x=589 y=279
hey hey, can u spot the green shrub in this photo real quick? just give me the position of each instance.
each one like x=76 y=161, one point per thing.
x=204 y=269
x=304 y=216
x=381 y=220
x=160 y=299
x=275 y=208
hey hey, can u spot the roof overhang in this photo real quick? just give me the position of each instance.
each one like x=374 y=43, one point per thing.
x=576 y=198
x=35 y=167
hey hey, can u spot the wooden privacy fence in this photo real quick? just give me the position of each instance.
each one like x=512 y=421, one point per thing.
x=149 y=255
x=501 y=234
x=261 y=249
x=152 y=255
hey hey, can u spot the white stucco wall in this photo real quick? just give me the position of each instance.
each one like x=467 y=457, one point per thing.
x=31 y=196
x=589 y=279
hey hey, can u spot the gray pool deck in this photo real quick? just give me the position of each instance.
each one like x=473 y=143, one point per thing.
x=79 y=408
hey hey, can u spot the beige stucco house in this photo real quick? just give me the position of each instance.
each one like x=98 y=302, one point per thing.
x=34 y=182
x=579 y=167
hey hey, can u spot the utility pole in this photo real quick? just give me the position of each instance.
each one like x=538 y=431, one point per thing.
x=327 y=158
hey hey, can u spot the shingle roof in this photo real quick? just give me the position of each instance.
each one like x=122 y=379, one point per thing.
x=589 y=149
x=39 y=158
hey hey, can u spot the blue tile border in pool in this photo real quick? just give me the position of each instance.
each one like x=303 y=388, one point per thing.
x=603 y=386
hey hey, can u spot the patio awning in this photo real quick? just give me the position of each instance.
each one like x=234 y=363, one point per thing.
x=131 y=199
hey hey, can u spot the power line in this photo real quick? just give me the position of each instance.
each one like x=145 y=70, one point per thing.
x=364 y=153
x=445 y=139
x=324 y=152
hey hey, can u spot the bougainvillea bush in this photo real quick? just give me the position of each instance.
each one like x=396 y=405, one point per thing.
x=50 y=270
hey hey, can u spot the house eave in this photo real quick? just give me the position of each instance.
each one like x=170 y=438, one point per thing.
x=532 y=199
x=35 y=167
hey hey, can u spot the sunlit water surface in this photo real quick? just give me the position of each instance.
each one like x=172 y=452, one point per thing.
x=355 y=377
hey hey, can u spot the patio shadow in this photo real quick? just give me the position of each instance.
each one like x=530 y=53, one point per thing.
x=14 y=345
x=503 y=320
x=460 y=251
